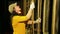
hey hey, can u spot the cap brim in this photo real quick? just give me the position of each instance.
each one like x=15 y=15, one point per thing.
x=10 y=8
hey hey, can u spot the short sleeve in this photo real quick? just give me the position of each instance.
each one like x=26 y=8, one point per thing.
x=20 y=18
x=17 y=19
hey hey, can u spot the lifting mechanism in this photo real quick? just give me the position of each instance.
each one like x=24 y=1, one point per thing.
x=45 y=20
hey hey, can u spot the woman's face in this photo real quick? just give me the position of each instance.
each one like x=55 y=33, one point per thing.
x=17 y=9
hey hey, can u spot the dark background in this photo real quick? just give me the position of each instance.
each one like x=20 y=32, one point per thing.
x=5 y=17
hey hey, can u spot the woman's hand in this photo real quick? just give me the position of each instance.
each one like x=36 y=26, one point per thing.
x=29 y=14
x=29 y=22
x=38 y=20
x=32 y=6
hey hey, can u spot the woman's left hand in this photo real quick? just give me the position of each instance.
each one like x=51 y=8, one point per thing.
x=38 y=20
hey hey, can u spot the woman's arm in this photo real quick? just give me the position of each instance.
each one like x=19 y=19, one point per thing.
x=27 y=17
x=29 y=14
x=32 y=6
x=36 y=21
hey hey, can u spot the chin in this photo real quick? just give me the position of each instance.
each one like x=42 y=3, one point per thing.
x=19 y=13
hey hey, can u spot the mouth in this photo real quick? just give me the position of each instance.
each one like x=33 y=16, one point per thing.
x=19 y=11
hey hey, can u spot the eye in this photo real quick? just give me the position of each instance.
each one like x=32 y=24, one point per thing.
x=19 y=6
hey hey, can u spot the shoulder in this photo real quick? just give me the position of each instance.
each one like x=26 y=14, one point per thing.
x=19 y=17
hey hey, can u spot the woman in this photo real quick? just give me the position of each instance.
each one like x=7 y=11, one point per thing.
x=18 y=22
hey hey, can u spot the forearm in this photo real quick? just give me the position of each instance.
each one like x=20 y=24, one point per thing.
x=30 y=22
x=29 y=14
x=35 y=22
x=32 y=6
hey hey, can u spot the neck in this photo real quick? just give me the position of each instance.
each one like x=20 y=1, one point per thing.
x=15 y=13
x=18 y=12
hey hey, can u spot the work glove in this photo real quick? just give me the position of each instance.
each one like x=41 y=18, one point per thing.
x=38 y=20
x=32 y=6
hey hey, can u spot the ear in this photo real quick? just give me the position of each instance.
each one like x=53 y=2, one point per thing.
x=13 y=8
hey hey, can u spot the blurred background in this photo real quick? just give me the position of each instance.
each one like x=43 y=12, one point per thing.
x=47 y=10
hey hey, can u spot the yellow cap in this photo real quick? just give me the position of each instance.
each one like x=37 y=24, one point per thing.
x=10 y=8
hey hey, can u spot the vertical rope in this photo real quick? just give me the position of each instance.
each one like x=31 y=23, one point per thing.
x=44 y=16
x=40 y=7
x=33 y=19
x=38 y=32
x=53 y=17
x=40 y=14
x=57 y=17
x=24 y=7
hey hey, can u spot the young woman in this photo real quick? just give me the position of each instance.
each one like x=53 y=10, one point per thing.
x=18 y=21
